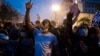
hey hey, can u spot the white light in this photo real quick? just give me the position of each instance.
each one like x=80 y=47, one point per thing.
x=55 y=7
x=76 y=1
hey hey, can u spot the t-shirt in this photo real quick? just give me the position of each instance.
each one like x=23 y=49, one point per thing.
x=44 y=44
x=36 y=31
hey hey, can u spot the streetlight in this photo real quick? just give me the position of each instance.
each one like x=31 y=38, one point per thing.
x=55 y=9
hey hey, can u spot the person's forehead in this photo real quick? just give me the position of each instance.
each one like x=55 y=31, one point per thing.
x=45 y=22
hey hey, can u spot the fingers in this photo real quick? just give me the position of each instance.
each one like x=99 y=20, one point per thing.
x=30 y=1
x=29 y=5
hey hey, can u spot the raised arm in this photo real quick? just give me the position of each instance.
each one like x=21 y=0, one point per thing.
x=27 y=16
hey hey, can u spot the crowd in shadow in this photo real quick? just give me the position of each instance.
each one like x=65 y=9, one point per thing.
x=20 y=41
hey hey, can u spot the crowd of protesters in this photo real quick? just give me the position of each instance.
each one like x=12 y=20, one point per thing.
x=45 y=39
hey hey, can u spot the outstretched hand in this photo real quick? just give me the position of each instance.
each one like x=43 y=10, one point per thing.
x=29 y=5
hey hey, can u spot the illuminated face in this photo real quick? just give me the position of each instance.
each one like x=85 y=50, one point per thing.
x=46 y=25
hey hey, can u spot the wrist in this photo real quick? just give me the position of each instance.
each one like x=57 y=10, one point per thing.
x=27 y=9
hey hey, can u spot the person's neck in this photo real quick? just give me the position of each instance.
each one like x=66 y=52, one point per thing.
x=46 y=32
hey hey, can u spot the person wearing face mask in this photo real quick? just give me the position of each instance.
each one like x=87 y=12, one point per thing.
x=25 y=43
x=44 y=40
x=80 y=47
x=22 y=34
x=83 y=32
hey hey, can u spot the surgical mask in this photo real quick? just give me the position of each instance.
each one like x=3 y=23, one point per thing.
x=83 y=32
x=22 y=34
x=45 y=30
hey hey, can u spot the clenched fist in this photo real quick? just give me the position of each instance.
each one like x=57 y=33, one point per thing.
x=29 y=5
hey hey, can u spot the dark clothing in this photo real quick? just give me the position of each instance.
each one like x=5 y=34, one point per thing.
x=92 y=44
x=25 y=47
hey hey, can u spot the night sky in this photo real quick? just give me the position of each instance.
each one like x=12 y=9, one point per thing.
x=41 y=7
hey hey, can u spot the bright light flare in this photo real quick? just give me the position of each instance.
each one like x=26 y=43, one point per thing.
x=55 y=7
x=76 y=1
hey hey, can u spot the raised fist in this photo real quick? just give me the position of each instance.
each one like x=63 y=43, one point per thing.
x=28 y=5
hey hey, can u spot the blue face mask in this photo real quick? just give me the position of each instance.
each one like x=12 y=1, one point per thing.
x=83 y=32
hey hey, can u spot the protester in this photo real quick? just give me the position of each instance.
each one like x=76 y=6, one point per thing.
x=44 y=38
x=25 y=43
x=44 y=41
x=92 y=42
